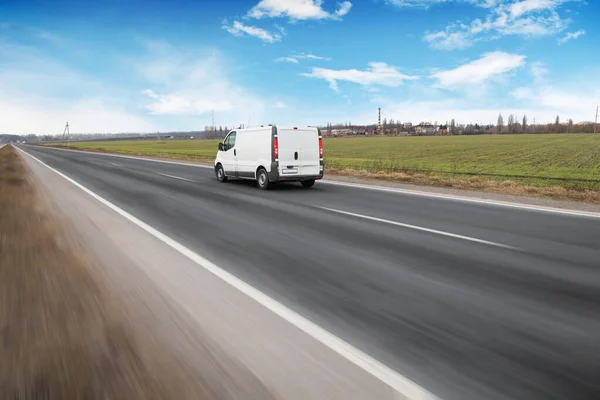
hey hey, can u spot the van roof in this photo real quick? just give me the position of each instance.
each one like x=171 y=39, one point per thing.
x=258 y=128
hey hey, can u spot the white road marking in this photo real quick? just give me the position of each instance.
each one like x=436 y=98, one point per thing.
x=115 y=164
x=508 y=204
x=420 y=228
x=176 y=177
x=399 y=383
x=465 y=199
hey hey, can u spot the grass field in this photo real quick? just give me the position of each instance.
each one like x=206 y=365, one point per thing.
x=566 y=161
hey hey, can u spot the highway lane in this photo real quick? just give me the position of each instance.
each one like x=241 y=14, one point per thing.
x=465 y=319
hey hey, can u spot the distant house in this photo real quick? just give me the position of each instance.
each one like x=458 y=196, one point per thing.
x=341 y=132
x=443 y=130
x=425 y=128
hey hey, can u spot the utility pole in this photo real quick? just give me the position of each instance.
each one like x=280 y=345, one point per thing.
x=596 y=120
x=68 y=133
x=213 y=123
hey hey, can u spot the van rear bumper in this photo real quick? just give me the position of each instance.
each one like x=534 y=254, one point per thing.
x=274 y=175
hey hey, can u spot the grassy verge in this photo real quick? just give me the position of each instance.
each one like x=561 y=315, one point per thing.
x=63 y=337
x=565 y=167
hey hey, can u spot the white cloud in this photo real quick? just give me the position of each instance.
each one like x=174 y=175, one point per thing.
x=238 y=29
x=297 y=9
x=312 y=57
x=542 y=104
x=378 y=74
x=301 y=56
x=478 y=71
x=45 y=115
x=343 y=9
x=538 y=71
x=521 y=7
x=195 y=84
x=571 y=35
x=429 y=3
x=287 y=59
x=39 y=94
x=167 y=88
x=529 y=18
x=184 y=103
x=522 y=93
x=449 y=40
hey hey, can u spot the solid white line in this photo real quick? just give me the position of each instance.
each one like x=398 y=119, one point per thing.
x=398 y=382
x=465 y=199
x=508 y=204
x=176 y=177
x=420 y=228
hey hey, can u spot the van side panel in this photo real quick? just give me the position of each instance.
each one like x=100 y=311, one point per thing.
x=298 y=152
x=253 y=150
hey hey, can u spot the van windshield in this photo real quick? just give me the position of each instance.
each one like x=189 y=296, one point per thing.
x=229 y=141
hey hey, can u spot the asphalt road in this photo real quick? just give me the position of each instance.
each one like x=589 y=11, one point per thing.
x=471 y=301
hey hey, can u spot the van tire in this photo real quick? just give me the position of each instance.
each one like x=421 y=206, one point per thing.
x=220 y=172
x=308 y=184
x=262 y=179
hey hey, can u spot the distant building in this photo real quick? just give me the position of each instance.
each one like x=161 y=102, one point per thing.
x=425 y=128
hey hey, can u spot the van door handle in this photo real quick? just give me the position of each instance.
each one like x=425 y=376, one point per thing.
x=234 y=152
x=295 y=155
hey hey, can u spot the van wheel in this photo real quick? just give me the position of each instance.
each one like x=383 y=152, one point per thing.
x=262 y=178
x=308 y=184
x=220 y=172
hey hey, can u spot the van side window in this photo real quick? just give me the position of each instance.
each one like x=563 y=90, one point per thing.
x=229 y=141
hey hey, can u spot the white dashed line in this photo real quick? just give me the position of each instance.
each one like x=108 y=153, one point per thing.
x=420 y=228
x=176 y=177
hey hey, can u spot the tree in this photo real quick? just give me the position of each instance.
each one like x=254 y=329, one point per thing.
x=511 y=123
x=500 y=124
x=570 y=125
x=524 y=126
x=453 y=127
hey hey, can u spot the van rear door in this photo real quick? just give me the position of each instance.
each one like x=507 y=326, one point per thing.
x=298 y=151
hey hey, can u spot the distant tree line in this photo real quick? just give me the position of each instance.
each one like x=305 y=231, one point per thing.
x=512 y=125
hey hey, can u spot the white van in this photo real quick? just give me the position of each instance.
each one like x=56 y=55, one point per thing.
x=270 y=154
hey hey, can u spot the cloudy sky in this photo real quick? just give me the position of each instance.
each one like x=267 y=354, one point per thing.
x=123 y=66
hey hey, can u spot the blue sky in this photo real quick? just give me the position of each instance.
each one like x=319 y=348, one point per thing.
x=124 y=66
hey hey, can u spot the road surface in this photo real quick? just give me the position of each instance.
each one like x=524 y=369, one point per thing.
x=469 y=300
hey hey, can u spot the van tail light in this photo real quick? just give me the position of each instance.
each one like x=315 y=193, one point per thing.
x=321 y=148
x=276 y=147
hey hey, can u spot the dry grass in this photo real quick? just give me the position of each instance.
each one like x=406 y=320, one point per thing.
x=476 y=183
x=62 y=335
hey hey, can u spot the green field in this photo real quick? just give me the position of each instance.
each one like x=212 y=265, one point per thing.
x=570 y=161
